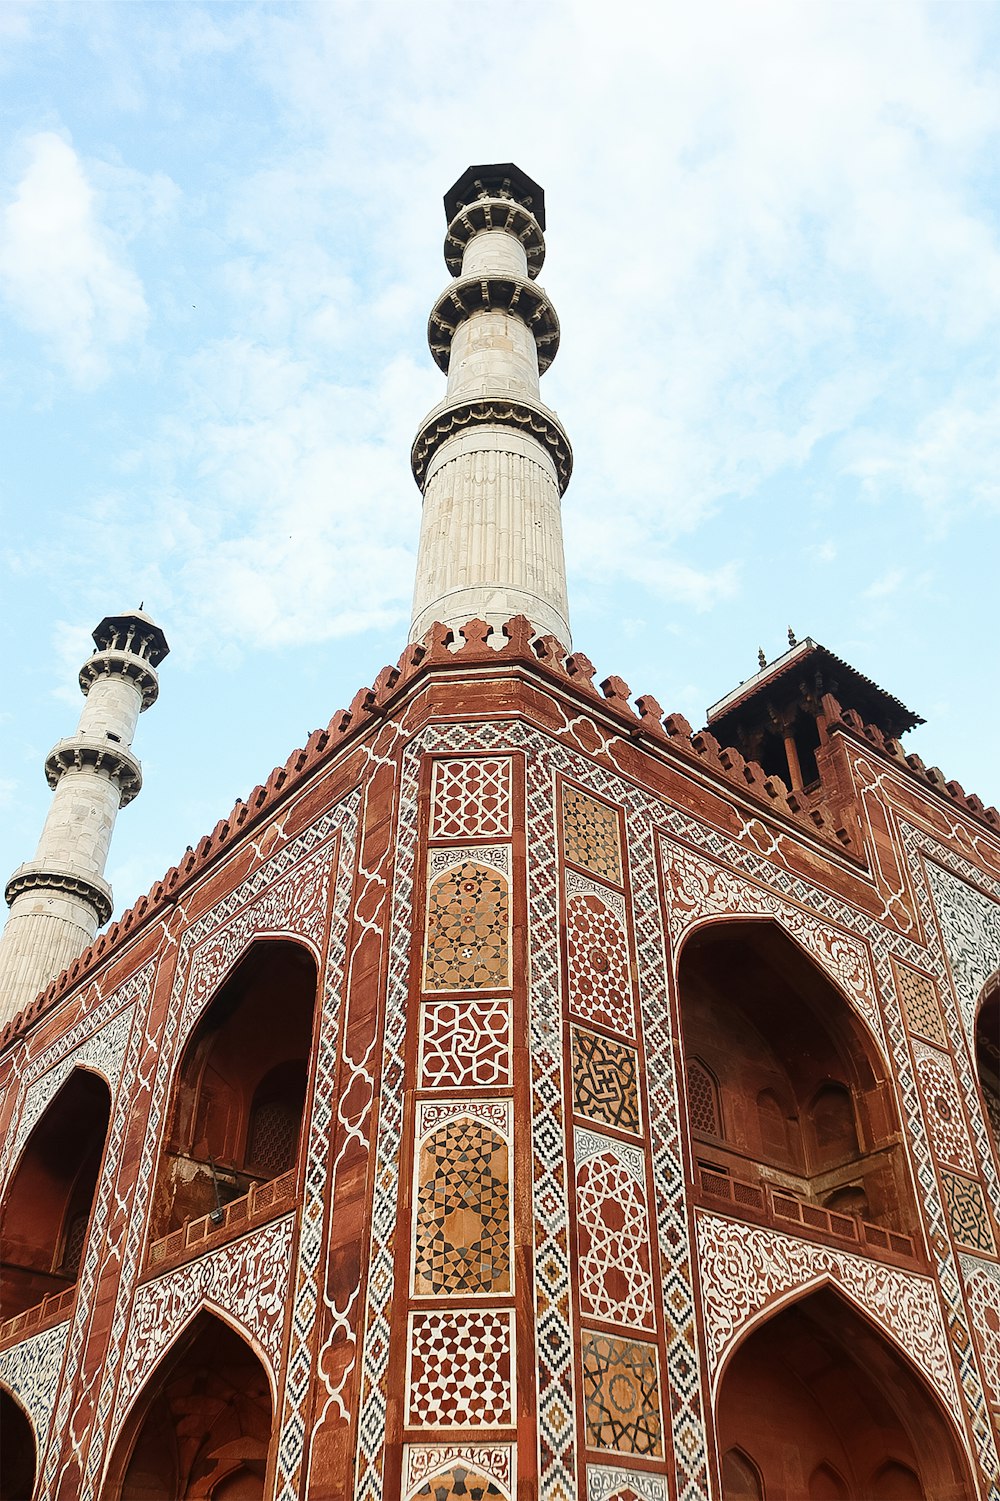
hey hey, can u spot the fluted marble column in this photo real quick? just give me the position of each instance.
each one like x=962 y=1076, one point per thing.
x=60 y=898
x=491 y=459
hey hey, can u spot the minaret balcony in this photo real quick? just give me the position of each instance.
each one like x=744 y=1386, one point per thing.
x=531 y=417
x=39 y=875
x=495 y=294
x=80 y=752
x=485 y=214
x=119 y=663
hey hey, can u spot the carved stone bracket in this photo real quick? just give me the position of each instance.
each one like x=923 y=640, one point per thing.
x=521 y=415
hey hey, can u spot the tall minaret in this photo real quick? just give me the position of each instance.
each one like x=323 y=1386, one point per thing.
x=491 y=460
x=60 y=899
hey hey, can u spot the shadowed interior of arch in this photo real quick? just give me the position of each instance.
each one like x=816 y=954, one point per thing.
x=817 y=1404
x=201 y=1428
x=239 y=1090
x=17 y=1451
x=786 y=1089
x=47 y=1208
x=988 y=1056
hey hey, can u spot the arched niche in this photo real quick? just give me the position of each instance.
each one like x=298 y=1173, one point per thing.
x=18 y=1457
x=46 y=1210
x=200 y=1429
x=803 y=1101
x=239 y=1091
x=822 y=1404
x=988 y=1053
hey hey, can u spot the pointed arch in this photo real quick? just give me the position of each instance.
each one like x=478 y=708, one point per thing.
x=240 y=1086
x=803 y=1087
x=47 y=1207
x=18 y=1453
x=822 y=1395
x=200 y=1428
x=741 y=1480
x=986 y=1043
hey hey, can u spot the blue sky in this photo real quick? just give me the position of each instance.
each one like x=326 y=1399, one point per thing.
x=773 y=246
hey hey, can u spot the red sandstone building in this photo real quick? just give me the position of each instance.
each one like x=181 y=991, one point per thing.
x=520 y=1095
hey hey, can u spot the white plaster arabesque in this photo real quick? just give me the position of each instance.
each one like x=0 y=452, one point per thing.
x=496 y=856
x=970 y=927
x=31 y=1371
x=247 y=1280
x=421 y=1462
x=746 y=1269
x=578 y=885
x=604 y=1482
x=434 y=1113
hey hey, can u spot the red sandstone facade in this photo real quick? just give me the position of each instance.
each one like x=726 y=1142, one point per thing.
x=520 y=1096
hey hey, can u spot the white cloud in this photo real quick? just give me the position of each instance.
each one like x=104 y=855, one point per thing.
x=887 y=583
x=65 y=275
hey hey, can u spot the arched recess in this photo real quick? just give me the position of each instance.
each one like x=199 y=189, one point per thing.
x=18 y=1457
x=200 y=1429
x=817 y=1397
x=988 y=1053
x=46 y=1210
x=805 y=1105
x=239 y=1091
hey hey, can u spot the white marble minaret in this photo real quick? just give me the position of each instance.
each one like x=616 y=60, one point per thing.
x=491 y=460
x=60 y=899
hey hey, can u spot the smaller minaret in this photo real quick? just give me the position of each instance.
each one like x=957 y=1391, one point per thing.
x=60 y=899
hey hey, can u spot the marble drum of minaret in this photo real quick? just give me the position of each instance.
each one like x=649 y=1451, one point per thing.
x=491 y=460
x=60 y=899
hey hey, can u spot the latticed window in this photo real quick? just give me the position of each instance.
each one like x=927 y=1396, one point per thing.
x=274 y=1135
x=703 y=1100
x=76 y=1235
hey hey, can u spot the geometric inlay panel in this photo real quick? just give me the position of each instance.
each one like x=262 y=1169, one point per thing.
x=600 y=976
x=605 y=1484
x=605 y=1087
x=441 y=1471
x=468 y=923
x=471 y=798
x=918 y=994
x=612 y=1229
x=462 y=1234
x=945 y=1119
x=967 y=1213
x=744 y=1268
x=461 y=1368
x=465 y=1043
x=621 y=1394
x=590 y=834
x=982 y=1280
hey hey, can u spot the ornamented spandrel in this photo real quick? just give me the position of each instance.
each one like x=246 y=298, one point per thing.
x=591 y=835
x=621 y=1394
x=468 y=929
x=462 y=1241
x=605 y=1087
